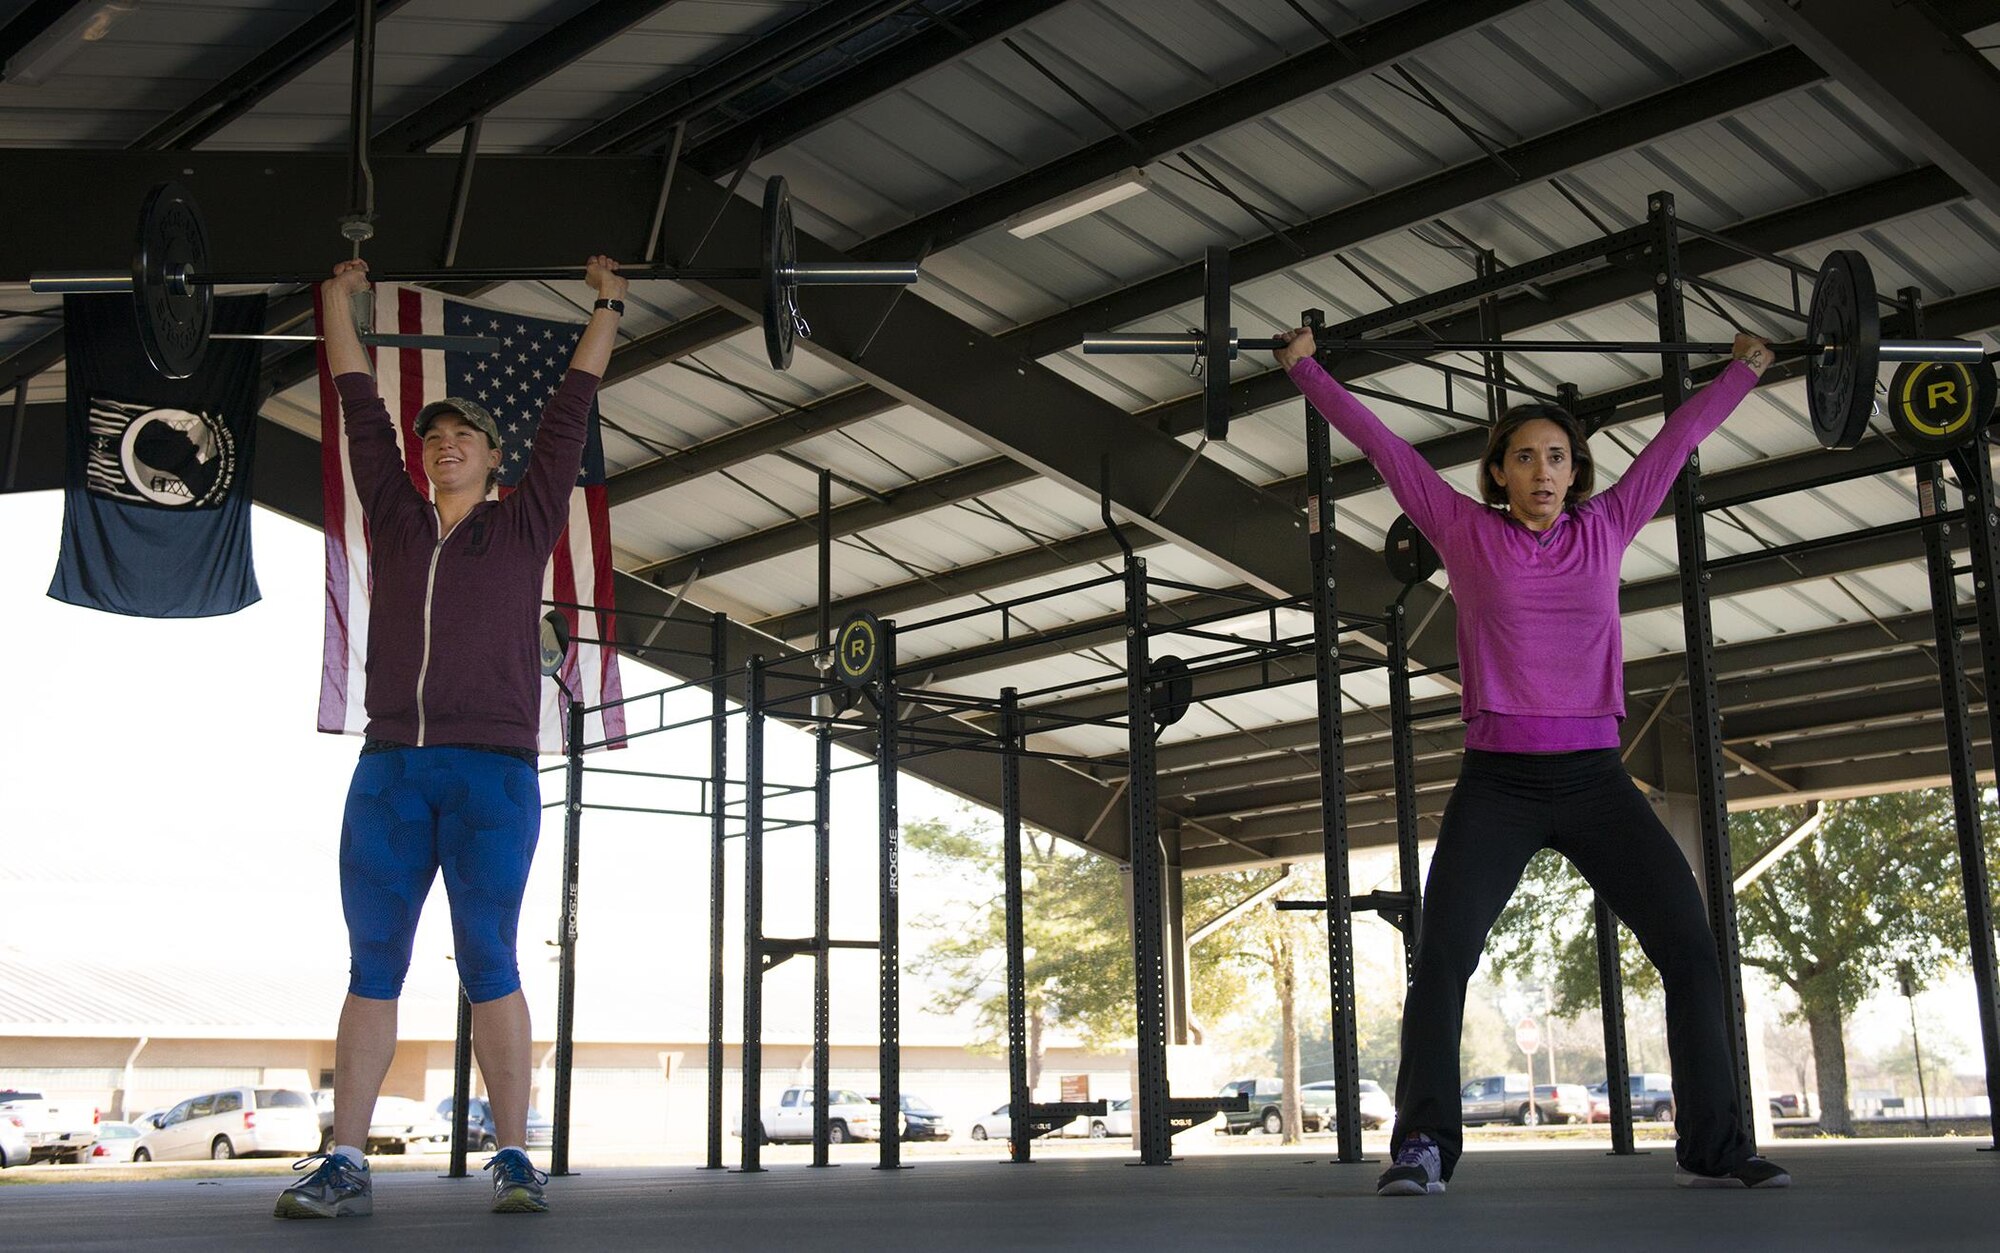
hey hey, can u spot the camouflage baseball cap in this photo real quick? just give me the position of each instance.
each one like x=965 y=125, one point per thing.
x=457 y=408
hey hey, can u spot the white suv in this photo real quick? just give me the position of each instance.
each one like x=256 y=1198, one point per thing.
x=235 y=1122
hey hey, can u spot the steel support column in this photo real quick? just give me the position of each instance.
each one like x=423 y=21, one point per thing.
x=1403 y=754
x=1705 y=714
x=718 y=832
x=890 y=1053
x=1611 y=996
x=566 y=980
x=753 y=918
x=1982 y=516
x=822 y=954
x=1019 y=1094
x=1333 y=785
x=1149 y=965
x=461 y=1084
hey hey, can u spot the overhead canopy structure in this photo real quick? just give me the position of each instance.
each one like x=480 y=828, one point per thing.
x=1352 y=157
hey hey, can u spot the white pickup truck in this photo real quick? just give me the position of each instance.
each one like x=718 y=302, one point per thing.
x=849 y=1116
x=55 y=1132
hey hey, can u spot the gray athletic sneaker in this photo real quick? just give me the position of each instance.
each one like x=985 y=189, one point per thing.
x=1418 y=1170
x=336 y=1188
x=1755 y=1172
x=517 y=1185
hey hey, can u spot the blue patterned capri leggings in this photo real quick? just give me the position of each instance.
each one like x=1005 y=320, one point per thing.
x=412 y=812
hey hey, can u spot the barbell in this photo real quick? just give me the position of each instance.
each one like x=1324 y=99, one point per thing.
x=173 y=286
x=1843 y=349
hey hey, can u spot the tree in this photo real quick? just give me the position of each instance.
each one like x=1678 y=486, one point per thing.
x=1877 y=883
x=1076 y=933
x=1269 y=943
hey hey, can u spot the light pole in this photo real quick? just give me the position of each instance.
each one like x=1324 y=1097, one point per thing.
x=1906 y=976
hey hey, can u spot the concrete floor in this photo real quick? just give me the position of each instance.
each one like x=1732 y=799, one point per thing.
x=1853 y=1195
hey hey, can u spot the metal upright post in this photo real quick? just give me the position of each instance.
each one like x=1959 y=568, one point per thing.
x=566 y=980
x=1611 y=992
x=1149 y=939
x=822 y=850
x=461 y=1085
x=1405 y=756
x=1718 y=872
x=1982 y=518
x=890 y=1055
x=1018 y=1096
x=822 y=912
x=718 y=831
x=1333 y=784
x=753 y=917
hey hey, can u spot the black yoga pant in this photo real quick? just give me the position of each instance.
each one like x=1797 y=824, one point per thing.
x=1506 y=808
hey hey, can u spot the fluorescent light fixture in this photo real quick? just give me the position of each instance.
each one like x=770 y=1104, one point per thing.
x=1082 y=202
x=65 y=37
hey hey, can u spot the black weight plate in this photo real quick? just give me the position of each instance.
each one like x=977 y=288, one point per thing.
x=173 y=324
x=781 y=259
x=1410 y=556
x=1216 y=335
x=1170 y=690
x=1845 y=328
x=1941 y=405
x=857 y=650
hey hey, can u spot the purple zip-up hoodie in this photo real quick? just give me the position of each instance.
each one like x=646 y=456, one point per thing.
x=1541 y=657
x=454 y=620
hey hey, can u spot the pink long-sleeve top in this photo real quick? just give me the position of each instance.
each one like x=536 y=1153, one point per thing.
x=1541 y=658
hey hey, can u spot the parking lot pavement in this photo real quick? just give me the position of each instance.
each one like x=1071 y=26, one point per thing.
x=1849 y=1196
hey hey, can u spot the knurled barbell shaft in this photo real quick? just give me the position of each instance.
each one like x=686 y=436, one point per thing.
x=810 y=274
x=1183 y=344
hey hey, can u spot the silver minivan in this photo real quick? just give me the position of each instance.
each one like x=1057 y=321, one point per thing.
x=234 y=1122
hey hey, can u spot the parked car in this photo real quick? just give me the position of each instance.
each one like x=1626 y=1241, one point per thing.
x=234 y=1122
x=1116 y=1120
x=920 y=1120
x=1562 y=1102
x=1790 y=1105
x=115 y=1142
x=479 y=1131
x=402 y=1125
x=14 y=1150
x=1499 y=1098
x=56 y=1130
x=1267 y=1107
x=1652 y=1097
x=1376 y=1107
x=849 y=1116
x=150 y=1120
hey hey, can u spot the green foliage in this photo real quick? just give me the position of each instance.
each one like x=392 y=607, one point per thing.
x=1877 y=883
x=1547 y=934
x=1079 y=971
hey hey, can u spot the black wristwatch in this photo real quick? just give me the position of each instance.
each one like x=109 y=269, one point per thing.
x=616 y=306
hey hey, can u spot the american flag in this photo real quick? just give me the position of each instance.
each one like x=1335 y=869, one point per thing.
x=513 y=385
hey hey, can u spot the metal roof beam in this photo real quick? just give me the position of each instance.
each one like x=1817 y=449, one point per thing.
x=513 y=74
x=1359 y=53
x=882 y=72
x=1908 y=67
x=645 y=125
x=310 y=43
x=1609 y=133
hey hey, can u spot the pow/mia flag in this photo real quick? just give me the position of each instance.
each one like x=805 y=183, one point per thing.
x=156 y=504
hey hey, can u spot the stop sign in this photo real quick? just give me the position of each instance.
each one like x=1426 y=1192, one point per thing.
x=1527 y=1036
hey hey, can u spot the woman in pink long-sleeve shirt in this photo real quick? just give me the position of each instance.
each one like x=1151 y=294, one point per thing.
x=1534 y=570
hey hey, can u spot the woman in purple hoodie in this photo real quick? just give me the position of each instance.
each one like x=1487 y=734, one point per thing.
x=1534 y=570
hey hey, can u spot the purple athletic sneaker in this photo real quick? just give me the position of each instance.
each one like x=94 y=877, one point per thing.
x=1418 y=1170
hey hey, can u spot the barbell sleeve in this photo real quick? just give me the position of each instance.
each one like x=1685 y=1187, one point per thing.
x=814 y=274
